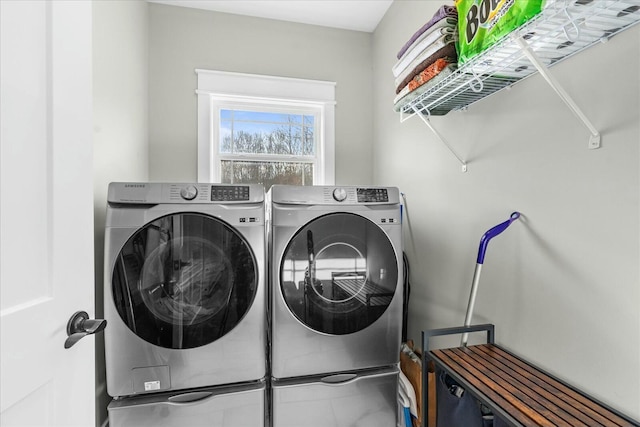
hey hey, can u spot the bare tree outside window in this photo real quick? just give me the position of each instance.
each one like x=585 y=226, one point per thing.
x=267 y=147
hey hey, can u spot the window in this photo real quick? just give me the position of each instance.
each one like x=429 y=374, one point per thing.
x=264 y=144
x=262 y=129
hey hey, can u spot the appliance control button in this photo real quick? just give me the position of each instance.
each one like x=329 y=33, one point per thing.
x=189 y=193
x=339 y=194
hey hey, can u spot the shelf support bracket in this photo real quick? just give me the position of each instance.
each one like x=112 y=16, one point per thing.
x=594 y=139
x=435 y=132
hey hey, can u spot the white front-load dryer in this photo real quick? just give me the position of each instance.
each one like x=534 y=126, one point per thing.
x=336 y=279
x=184 y=286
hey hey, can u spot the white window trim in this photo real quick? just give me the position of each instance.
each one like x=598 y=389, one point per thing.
x=216 y=86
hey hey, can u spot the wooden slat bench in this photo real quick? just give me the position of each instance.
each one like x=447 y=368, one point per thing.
x=516 y=391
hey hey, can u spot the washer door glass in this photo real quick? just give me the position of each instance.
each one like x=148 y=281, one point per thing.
x=184 y=280
x=339 y=273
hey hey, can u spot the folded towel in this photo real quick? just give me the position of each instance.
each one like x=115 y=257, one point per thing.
x=425 y=75
x=443 y=12
x=421 y=44
x=440 y=49
x=412 y=95
x=428 y=73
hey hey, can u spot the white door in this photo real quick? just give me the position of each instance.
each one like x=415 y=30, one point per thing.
x=46 y=212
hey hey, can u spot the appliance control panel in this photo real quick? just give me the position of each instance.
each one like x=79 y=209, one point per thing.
x=154 y=193
x=330 y=195
x=357 y=195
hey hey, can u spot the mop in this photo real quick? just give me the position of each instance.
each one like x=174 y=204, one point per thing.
x=484 y=241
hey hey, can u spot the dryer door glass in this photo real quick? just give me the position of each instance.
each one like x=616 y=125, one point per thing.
x=339 y=273
x=184 y=280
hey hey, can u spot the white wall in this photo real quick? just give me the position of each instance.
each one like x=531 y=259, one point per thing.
x=563 y=284
x=120 y=105
x=183 y=39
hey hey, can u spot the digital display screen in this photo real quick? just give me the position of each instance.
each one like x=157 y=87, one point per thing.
x=229 y=193
x=372 y=195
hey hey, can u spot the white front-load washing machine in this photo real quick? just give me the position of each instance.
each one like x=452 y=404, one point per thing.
x=184 y=288
x=336 y=279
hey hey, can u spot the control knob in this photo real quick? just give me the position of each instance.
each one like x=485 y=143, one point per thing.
x=189 y=193
x=339 y=194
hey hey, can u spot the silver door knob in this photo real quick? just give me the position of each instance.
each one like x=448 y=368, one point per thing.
x=79 y=326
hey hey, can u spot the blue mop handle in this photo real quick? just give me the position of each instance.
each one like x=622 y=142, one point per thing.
x=493 y=232
x=484 y=241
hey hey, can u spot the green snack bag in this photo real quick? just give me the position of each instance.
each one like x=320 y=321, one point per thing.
x=481 y=23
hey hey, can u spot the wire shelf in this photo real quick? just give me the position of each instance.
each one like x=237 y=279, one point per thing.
x=562 y=29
